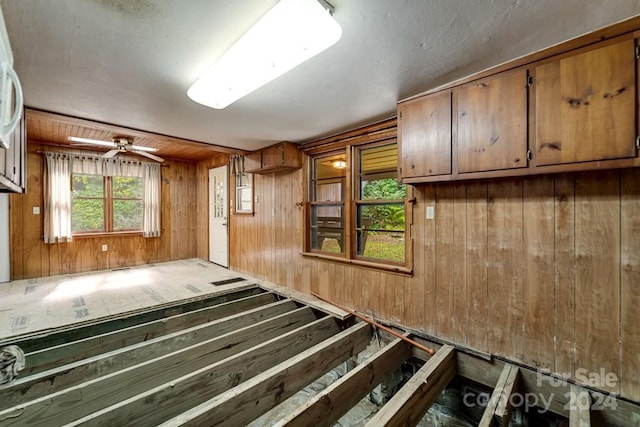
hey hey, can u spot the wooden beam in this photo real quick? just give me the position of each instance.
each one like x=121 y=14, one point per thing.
x=414 y=399
x=193 y=383
x=504 y=410
x=189 y=376
x=51 y=357
x=253 y=398
x=499 y=401
x=579 y=407
x=327 y=407
x=65 y=376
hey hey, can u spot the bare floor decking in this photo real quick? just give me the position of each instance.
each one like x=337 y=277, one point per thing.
x=34 y=304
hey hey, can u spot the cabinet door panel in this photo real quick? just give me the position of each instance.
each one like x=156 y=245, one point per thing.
x=425 y=136
x=585 y=106
x=253 y=161
x=492 y=123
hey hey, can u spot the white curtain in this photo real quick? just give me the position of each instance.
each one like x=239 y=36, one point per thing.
x=107 y=167
x=152 y=180
x=57 y=198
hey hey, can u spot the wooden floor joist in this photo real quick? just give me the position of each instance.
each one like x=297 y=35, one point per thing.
x=498 y=411
x=156 y=404
x=65 y=376
x=413 y=400
x=253 y=398
x=580 y=407
x=61 y=354
x=337 y=399
x=94 y=395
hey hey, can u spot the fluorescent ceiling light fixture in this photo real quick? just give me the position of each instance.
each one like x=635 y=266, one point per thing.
x=286 y=36
x=108 y=144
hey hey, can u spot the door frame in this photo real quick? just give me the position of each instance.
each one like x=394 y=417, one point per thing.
x=210 y=192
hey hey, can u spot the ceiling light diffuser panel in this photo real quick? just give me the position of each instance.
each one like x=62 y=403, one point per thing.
x=286 y=36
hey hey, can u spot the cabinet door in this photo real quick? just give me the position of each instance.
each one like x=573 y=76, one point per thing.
x=585 y=106
x=492 y=123
x=272 y=156
x=253 y=161
x=425 y=136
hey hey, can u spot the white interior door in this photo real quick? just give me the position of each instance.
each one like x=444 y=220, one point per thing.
x=218 y=214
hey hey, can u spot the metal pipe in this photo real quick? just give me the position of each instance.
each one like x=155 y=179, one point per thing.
x=378 y=325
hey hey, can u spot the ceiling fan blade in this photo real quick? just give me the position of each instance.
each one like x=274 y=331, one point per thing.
x=149 y=155
x=92 y=141
x=110 y=153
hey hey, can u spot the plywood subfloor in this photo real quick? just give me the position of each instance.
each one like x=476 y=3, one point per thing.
x=35 y=304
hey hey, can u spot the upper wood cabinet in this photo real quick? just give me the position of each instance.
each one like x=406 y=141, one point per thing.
x=275 y=158
x=492 y=123
x=585 y=106
x=424 y=127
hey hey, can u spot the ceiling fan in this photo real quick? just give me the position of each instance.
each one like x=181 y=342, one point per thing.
x=120 y=144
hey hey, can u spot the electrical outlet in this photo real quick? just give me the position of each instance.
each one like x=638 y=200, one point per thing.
x=105 y=248
x=36 y=210
x=430 y=212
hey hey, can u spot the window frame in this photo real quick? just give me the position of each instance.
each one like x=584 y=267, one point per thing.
x=352 y=196
x=234 y=200
x=108 y=199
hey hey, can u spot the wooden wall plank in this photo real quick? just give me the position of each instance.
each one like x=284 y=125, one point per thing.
x=598 y=273
x=426 y=303
x=504 y=268
x=564 y=301
x=630 y=289
x=460 y=302
x=476 y=262
x=444 y=266
x=538 y=210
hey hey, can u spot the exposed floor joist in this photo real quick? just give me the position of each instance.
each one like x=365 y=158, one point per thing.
x=335 y=401
x=242 y=404
x=498 y=411
x=413 y=400
x=580 y=410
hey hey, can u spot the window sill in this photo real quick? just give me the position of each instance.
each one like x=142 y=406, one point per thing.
x=106 y=234
x=390 y=268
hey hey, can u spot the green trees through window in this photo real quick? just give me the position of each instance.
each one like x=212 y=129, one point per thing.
x=106 y=204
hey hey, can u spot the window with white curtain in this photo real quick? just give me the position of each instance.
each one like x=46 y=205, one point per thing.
x=85 y=194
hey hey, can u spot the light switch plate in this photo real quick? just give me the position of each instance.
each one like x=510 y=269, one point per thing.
x=36 y=210
x=430 y=212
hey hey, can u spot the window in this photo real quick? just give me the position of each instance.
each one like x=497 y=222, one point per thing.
x=327 y=203
x=359 y=213
x=244 y=193
x=106 y=203
x=380 y=206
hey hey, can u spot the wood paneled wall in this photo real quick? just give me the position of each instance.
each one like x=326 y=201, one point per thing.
x=31 y=257
x=541 y=270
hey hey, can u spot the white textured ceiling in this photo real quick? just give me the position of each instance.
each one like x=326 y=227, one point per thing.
x=130 y=62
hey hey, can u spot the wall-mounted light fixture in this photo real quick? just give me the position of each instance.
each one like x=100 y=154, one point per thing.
x=339 y=164
x=286 y=36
